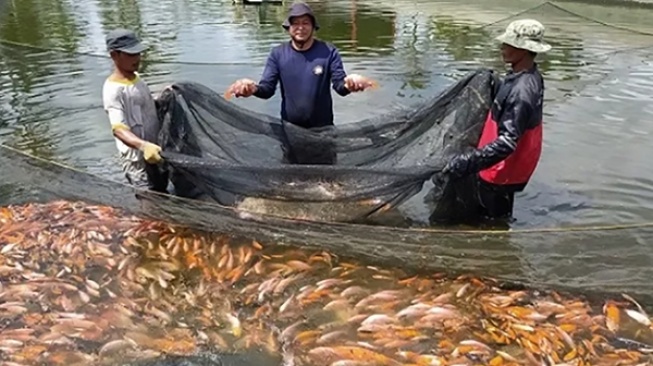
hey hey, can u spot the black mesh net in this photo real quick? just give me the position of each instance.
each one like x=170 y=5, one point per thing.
x=221 y=152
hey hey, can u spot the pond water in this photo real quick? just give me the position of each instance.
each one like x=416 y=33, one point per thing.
x=594 y=165
x=599 y=81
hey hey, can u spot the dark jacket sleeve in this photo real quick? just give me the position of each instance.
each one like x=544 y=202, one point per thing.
x=268 y=83
x=338 y=73
x=517 y=112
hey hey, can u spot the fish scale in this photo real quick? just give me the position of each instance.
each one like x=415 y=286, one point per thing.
x=192 y=281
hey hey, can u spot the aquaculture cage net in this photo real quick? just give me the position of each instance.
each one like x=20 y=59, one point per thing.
x=230 y=155
x=573 y=258
x=234 y=157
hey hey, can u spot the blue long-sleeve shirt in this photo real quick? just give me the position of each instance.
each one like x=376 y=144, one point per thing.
x=306 y=78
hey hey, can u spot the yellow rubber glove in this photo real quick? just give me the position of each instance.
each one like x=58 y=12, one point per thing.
x=151 y=152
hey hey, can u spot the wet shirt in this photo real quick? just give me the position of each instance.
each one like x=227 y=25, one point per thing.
x=129 y=104
x=511 y=141
x=306 y=78
x=517 y=108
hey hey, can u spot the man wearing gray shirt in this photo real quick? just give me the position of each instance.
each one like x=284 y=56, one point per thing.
x=132 y=113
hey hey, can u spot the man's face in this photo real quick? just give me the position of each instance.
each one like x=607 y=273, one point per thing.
x=512 y=55
x=301 y=28
x=126 y=62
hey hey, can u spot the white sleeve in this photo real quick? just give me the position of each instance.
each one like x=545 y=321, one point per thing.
x=114 y=106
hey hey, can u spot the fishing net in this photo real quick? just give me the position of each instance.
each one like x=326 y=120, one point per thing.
x=254 y=246
x=233 y=156
x=230 y=160
x=573 y=259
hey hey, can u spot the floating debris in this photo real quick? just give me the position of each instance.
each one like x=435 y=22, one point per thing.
x=89 y=285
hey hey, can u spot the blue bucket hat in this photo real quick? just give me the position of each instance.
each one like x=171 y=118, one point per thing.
x=125 y=41
x=298 y=10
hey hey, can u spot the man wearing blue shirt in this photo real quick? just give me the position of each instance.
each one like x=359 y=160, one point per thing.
x=306 y=68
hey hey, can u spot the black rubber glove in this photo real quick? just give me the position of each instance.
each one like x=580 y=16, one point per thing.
x=461 y=165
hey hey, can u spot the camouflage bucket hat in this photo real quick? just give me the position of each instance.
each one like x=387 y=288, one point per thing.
x=526 y=34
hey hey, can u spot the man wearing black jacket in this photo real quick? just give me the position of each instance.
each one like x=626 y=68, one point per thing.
x=511 y=142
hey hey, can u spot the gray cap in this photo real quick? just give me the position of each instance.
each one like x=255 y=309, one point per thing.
x=124 y=40
x=298 y=10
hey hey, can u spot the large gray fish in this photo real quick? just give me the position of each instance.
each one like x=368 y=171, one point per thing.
x=327 y=211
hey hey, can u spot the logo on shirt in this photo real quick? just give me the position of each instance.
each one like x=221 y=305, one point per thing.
x=317 y=70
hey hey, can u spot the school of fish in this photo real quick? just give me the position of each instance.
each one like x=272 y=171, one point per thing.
x=89 y=285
